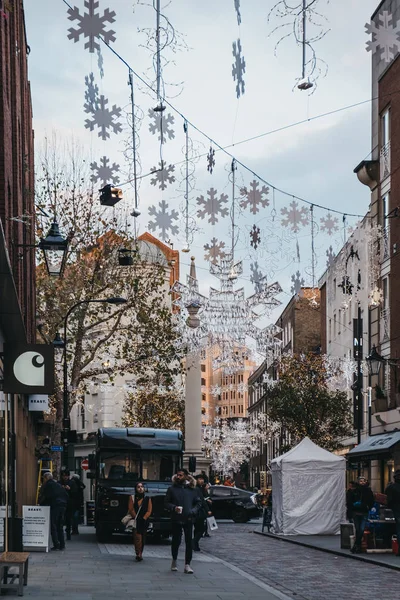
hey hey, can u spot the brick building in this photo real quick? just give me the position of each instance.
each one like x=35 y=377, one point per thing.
x=300 y=331
x=17 y=225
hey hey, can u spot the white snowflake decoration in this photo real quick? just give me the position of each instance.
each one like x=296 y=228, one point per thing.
x=329 y=224
x=330 y=257
x=242 y=388
x=255 y=238
x=237 y=9
x=163 y=220
x=214 y=250
x=256 y=277
x=91 y=93
x=103 y=118
x=211 y=160
x=375 y=297
x=212 y=206
x=385 y=36
x=91 y=25
x=161 y=125
x=104 y=172
x=297 y=283
x=163 y=175
x=294 y=217
x=254 y=197
x=238 y=68
x=215 y=390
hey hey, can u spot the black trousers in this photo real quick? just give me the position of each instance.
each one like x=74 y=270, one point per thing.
x=57 y=516
x=177 y=529
x=199 y=530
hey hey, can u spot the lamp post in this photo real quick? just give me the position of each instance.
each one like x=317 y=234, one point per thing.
x=54 y=248
x=66 y=421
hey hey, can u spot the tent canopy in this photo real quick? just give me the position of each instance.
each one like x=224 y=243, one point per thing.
x=308 y=456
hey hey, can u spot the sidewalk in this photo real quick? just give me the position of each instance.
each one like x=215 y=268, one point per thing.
x=331 y=544
x=90 y=571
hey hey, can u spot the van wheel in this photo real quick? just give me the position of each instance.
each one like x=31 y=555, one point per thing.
x=239 y=516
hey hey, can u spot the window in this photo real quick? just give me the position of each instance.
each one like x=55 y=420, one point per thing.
x=220 y=491
x=339 y=321
x=385 y=124
x=334 y=325
x=203 y=381
x=385 y=209
x=385 y=288
x=330 y=330
x=203 y=368
x=334 y=289
x=203 y=397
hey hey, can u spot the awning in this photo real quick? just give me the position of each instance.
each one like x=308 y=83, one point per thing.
x=375 y=447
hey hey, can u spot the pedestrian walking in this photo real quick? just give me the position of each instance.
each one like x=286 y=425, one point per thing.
x=78 y=503
x=361 y=500
x=393 y=502
x=183 y=502
x=140 y=507
x=72 y=489
x=349 y=500
x=200 y=523
x=54 y=495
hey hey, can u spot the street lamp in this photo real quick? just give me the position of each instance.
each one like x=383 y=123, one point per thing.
x=55 y=249
x=66 y=421
x=374 y=361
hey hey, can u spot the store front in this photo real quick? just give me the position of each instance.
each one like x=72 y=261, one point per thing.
x=379 y=456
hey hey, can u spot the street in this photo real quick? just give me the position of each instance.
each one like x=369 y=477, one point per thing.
x=235 y=564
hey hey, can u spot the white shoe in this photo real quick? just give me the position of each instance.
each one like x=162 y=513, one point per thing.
x=173 y=566
x=188 y=569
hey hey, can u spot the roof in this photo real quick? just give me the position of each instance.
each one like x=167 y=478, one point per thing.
x=375 y=446
x=308 y=455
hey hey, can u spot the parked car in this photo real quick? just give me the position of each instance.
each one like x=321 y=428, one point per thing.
x=233 y=503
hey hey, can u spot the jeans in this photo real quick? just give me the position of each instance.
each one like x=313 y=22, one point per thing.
x=359 y=524
x=57 y=515
x=177 y=529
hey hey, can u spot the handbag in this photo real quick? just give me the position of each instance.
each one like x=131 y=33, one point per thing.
x=130 y=521
x=211 y=524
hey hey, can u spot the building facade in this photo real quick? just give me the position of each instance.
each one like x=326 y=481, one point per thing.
x=17 y=231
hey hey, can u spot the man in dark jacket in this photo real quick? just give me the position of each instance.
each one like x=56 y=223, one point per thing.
x=183 y=501
x=53 y=495
x=359 y=503
x=72 y=489
x=393 y=502
x=200 y=524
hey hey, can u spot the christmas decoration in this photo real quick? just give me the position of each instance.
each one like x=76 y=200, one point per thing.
x=330 y=257
x=294 y=217
x=103 y=117
x=256 y=277
x=163 y=220
x=237 y=9
x=91 y=25
x=238 y=68
x=255 y=198
x=329 y=224
x=255 y=237
x=385 y=35
x=215 y=391
x=161 y=125
x=163 y=175
x=375 y=297
x=214 y=250
x=212 y=206
x=104 y=172
x=211 y=160
x=100 y=62
x=297 y=283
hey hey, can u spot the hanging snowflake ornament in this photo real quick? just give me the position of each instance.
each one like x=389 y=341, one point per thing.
x=256 y=277
x=329 y=224
x=214 y=250
x=163 y=175
x=91 y=92
x=215 y=390
x=294 y=217
x=237 y=9
x=255 y=238
x=104 y=172
x=385 y=35
x=161 y=125
x=212 y=206
x=297 y=283
x=103 y=117
x=211 y=160
x=238 y=68
x=91 y=25
x=375 y=297
x=163 y=220
x=330 y=257
x=254 y=198
x=100 y=62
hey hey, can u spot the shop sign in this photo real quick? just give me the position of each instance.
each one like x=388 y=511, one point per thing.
x=38 y=402
x=36 y=527
x=28 y=369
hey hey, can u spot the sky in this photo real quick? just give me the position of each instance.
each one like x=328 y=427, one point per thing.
x=313 y=160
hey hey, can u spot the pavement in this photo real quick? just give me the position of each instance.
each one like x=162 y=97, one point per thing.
x=87 y=570
x=331 y=544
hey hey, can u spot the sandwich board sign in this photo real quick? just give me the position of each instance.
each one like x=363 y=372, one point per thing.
x=36 y=527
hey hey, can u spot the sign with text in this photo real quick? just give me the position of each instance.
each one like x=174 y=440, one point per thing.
x=28 y=369
x=38 y=402
x=36 y=527
x=2 y=517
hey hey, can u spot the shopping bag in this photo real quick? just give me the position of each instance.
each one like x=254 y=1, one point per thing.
x=211 y=524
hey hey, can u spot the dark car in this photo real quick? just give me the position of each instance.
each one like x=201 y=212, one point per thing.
x=233 y=503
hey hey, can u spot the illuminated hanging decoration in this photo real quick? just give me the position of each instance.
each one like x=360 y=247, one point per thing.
x=330 y=257
x=297 y=283
x=160 y=125
x=255 y=238
x=211 y=160
x=329 y=224
x=214 y=250
x=212 y=206
x=102 y=117
x=104 y=172
x=238 y=68
x=163 y=176
x=294 y=217
x=257 y=278
x=385 y=36
x=237 y=9
x=91 y=25
x=254 y=198
x=163 y=220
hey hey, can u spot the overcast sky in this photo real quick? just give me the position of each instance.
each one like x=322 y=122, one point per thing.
x=314 y=161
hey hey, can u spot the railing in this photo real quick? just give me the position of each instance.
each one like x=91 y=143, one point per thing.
x=385 y=325
x=385 y=161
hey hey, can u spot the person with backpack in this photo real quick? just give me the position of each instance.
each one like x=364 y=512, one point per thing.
x=393 y=502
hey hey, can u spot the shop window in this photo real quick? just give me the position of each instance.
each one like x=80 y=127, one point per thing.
x=203 y=368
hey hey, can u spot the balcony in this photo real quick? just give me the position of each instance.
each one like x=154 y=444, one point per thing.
x=385 y=325
x=385 y=161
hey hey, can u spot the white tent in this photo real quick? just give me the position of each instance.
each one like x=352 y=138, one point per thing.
x=308 y=491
